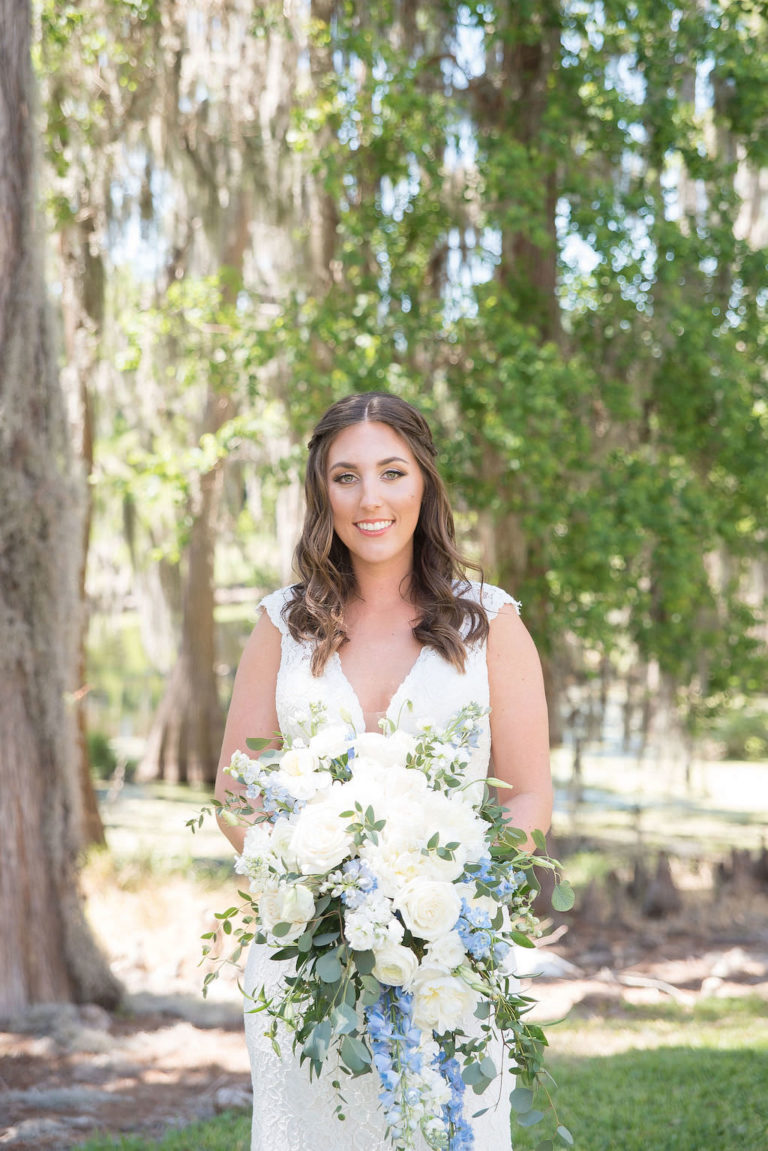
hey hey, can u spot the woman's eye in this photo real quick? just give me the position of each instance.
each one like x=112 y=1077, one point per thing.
x=344 y=478
x=393 y=474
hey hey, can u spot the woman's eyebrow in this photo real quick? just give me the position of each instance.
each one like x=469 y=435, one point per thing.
x=380 y=464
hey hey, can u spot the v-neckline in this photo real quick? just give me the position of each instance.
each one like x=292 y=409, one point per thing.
x=356 y=698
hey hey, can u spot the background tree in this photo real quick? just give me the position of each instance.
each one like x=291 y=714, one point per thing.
x=46 y=949
x=539 y=221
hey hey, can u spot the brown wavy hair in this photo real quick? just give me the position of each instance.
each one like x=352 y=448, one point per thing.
x=439 y=584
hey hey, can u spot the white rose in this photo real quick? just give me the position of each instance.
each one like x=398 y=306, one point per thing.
x=457 y=822
x=430 y=907
x=393 y=865
x=387 y=750
x=331 y=742
x=298 y=773
x=441 y=1002
x=446 y=952
x=294 y=904
x=395 y=965
x=320 y=839
x=282 y=833
x=298 y=761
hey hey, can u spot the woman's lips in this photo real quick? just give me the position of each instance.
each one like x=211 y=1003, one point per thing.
x=373 y=527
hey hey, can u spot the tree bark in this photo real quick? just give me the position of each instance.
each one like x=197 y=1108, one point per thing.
x=183 y=745
x=46 y=949
x=83 y=311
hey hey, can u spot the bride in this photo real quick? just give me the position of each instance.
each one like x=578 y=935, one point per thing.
x=383 y=624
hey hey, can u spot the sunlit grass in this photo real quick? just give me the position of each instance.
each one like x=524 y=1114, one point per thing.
x=226 y=1133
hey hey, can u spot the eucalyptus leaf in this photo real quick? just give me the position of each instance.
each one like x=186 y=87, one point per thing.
x=563 y=896
x=328 y=967
x=365 y=961
x=355 y=1055
x=530 y=1118
x=521 y=1099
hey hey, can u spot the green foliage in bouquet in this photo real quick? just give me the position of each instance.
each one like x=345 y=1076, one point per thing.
x=389 y=881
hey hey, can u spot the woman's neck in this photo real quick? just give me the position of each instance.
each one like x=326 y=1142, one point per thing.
x=383 y=588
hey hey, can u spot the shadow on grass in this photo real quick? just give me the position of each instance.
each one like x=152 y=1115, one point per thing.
x=667 y=1099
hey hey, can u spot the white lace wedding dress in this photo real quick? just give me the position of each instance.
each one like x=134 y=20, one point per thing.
x=290 y=1113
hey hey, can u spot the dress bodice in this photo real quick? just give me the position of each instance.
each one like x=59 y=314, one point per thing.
x=290 y=1112
x=433 y=691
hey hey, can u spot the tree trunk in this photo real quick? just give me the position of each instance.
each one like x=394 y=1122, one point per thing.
x=184 y=743
x=46 y=949
x=83 y=311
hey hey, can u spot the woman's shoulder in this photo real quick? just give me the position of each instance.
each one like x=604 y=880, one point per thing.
x=492 y=598
x=274 y=605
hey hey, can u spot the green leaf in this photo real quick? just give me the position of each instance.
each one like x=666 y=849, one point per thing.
x=563 y=897
x=365 y=961
x=355 y=1055
x=539 y=839
x=521 y=1099
x=316 y=1047
x=343 y=1019
x=257 y=744
x=530 y=1118
x=304 y=942
x=328 y=967
x=565 y=1135
x=281 y=929
x=325 y=937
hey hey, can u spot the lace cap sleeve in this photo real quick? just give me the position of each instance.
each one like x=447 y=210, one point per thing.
x=493 y=599
x=273 y=605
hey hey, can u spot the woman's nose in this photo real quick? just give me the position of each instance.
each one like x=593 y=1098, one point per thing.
x=370 y=496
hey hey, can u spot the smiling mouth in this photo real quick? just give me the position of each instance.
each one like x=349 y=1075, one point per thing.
x=373 y=527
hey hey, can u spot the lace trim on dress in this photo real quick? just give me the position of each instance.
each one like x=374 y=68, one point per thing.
x=492 y=598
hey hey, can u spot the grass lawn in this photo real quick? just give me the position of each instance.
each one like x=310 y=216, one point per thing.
x=661 y=1079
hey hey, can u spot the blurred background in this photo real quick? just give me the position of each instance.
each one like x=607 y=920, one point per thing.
x=546 y=225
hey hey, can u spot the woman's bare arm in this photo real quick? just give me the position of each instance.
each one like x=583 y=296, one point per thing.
x=252 y=711
x=519 y=724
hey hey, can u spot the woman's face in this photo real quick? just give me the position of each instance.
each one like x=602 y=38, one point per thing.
x=375 y=486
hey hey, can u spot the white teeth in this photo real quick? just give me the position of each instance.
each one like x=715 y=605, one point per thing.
x=376 y=526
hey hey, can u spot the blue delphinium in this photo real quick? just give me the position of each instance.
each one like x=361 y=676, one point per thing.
x=461 y=1137
x=398 y=1059
x=362 y=882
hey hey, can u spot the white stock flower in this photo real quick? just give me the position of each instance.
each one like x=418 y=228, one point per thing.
x=292 y=903
x=446 y=952
x=371 y=923
x=430 y=907
x=320 y=840
x=242 y=767
x=441 y=1002
x=257 y=844
x=395 y=965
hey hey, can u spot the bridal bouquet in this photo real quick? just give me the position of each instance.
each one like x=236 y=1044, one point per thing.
x=396 y=888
